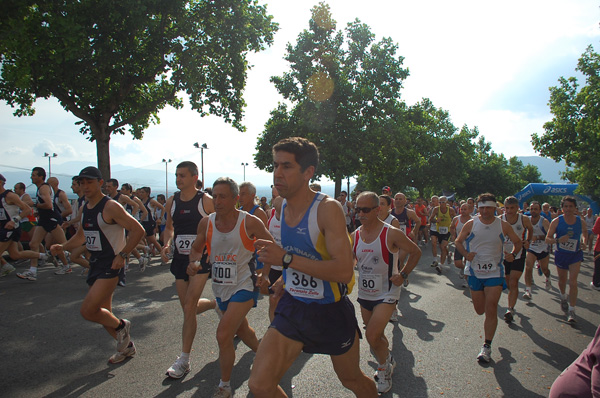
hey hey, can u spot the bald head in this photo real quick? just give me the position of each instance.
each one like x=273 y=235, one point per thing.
x=53 y=182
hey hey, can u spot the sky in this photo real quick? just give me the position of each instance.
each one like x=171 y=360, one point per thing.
x=488 y=64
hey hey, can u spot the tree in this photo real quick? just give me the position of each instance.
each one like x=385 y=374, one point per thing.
x=573 y=134
x=339 y=86
x=115 y=64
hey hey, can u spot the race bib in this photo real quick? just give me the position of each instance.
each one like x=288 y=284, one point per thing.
x=482 y=265
x=3 y=215
x=184 y=243
x=570 y=245
x=224 y=273
x=443 y=230
x=371 y=285
x=92 y=241
x=300 y=284
x=433 y=227
x=403 y=228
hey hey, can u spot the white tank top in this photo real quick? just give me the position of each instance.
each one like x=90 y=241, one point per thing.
x=539 y=246
x=519 y=230
x=232 y=257
x=275 y=230
x=486 y=240
x=376 y=265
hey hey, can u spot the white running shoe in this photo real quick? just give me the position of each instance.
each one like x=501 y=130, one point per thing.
x=548 y=284
x=527 y=295
x=123 y=337
x=6 y=269
x=395 y=317
x=179 y=369
x=65 y=269
x=143 y=263
x=120 y=356
x=571 y=317
x=485 y=355
x=222 y=392
x=30 y=276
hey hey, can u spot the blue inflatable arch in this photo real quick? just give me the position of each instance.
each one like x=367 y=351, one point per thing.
x=554 y=189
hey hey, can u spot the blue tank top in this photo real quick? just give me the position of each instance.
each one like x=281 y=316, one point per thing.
x=306 y=240
x=574 y=233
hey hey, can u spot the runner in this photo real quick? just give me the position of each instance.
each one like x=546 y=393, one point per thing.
x=49 y=223
x=538 y=249
x=348 y=210
x=314 y=315
x=513 y=270
x=441 y=216
x=375 y=244
x=149 y=223
x=590 y=220
x=421 y=210
x=565 y=231
x=229 y=235
x=185 y=209
x=103 y=232
x=384 y=214
x=481 y=243
x=79 y=255
x=276 y=270
x=458 y=223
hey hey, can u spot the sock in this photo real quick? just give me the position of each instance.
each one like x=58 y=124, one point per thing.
x=185 y=356
x=121 y=325
x=488 y=343
x=224 y=384
x=571 y=308
x=528 y=289
x=33 y=270
x=563 y=296
x=42 y=256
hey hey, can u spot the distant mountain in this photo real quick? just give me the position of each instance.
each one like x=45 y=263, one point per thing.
x=549 y=169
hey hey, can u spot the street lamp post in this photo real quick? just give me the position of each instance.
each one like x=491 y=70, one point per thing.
x=166 y=162
x=244 y=164
x=49 y=156
x=202 y=148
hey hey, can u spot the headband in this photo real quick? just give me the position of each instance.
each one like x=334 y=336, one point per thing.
x=487 y=203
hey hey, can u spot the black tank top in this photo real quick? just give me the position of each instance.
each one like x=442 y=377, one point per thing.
x=186 y=216
x=103 y=240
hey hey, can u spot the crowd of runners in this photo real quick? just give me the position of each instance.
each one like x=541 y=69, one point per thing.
x=305 y=250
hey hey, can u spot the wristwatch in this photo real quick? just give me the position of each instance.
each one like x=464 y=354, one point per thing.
x=287 y=259
x=404 y=275
x=123 y=255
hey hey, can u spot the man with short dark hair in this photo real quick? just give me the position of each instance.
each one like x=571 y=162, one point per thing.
x=314 y=314
x=103 y=225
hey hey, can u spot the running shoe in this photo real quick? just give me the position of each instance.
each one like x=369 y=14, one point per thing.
x=123 y=337
x=571 y=317
x=120 y=356
x=143 y=263
x=434 y=263
x=438 y=269
x=121 y=283
x=65 y=269
x=395 y=316
x=594 y=286
x=384 y=379
x=564 y=305
x=222 y=392
x=405 y=283
x=6 y=269
x=508 y=316
x=449 y=260
x=179 y=369
x=30 y=276
x=548 y=284
x=485 y=355
x=527 y=295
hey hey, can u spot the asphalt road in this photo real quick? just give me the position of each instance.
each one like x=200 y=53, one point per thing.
x=49 y=350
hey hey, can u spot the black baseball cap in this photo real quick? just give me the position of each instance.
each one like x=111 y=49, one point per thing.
x=90 y=172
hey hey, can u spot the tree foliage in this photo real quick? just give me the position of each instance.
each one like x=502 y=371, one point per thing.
x=573 y=134
x=115 y=64
x=340 y=84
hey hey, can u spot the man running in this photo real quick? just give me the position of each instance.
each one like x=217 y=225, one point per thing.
x=481 y=243
x=538 y=249
x=513 y=270
x=185 y=209
x=49 y=222
x=458 y=223
x=375 y=244
x=565 y=231
x=229 y=235
x=314 y=314
x=103 y=225
x=441 y=216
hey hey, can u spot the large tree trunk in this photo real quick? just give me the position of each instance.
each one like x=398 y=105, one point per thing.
x=102 y=150
x=338 y=186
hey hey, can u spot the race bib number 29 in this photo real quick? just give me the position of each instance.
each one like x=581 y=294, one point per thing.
x=184 y=243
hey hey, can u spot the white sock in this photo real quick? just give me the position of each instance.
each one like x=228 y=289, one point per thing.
x=528 y=289
x=563 y=296
x=571 y=308
x=33 y=270
x=224 y=384
x=185 y=356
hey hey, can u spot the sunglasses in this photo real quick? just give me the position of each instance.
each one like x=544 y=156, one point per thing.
x=365 y=210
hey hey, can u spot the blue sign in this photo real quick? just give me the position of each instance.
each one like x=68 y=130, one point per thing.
x=554 y=189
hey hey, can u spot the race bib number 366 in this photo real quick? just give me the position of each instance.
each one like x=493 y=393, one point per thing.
x=300 y=284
